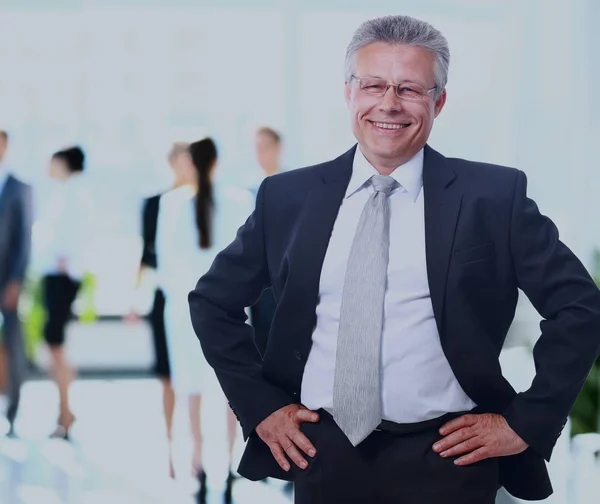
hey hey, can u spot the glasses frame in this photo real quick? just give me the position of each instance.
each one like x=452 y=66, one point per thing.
x=389 y=85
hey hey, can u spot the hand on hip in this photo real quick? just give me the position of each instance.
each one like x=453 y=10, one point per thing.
x=478 y=437
x=281 y=432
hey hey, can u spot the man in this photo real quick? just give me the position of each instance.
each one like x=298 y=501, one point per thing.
x=268 y=150
x=268 y=153
x=15 y=245
x=396 y=272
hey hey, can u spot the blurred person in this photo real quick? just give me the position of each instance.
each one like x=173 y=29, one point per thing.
x=397 y=272
x=194 y=221
x=68 y=224
x=15 y=248
x=268 y=143
x=268 y=154
x=148 y=263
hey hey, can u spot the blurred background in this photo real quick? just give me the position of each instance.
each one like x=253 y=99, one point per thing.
x=125 y=80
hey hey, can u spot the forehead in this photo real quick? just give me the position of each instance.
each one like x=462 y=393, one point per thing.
x=395 y=62
x=265 y=138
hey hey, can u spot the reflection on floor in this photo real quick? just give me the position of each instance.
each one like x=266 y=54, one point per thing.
x=118 y=453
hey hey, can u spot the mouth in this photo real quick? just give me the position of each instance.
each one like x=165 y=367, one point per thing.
x=389 y=127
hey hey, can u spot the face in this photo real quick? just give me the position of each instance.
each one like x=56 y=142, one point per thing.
x=267 y=150
x=183 y=169
x=58 y=169
x=3 y=147
x=412 y=121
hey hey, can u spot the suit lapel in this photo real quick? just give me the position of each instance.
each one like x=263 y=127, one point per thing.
x=442 y=206
x=312 y=239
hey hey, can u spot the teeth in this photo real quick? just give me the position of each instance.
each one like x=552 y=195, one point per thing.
x=390 y=126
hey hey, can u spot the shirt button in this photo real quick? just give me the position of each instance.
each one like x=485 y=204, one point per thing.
x=298 y=354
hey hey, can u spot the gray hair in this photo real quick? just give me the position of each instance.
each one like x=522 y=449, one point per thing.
x=402 y=30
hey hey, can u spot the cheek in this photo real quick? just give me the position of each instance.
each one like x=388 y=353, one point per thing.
x=359 y=109
x=428 y=114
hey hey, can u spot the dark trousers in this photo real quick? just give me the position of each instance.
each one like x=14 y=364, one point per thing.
x=59 y=293
x=388 y=468
x=16 y=361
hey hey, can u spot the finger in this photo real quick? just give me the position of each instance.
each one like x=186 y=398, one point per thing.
x=292 y=452
x=305 y=415
x=458 y=423
x=279 y=456
x=302 y=442
x=475 y=456
x=453 y=439
x=465 y=447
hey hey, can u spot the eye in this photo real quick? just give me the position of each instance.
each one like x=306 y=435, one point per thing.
x=409 y=91
x=374 y=87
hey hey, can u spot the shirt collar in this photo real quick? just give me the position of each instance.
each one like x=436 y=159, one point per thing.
x=409 y=175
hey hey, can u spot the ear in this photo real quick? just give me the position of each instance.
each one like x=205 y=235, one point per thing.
x=439 y=104
x=348 y=93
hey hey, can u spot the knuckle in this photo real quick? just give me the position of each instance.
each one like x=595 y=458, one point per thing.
x=488 y=451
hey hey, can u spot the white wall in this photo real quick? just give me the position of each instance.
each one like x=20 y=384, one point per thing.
x=125 y=78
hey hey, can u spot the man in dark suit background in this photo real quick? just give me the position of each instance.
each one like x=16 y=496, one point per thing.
x=396 y=273
x=15 y=245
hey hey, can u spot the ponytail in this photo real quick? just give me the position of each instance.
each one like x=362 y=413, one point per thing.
x=204 y=155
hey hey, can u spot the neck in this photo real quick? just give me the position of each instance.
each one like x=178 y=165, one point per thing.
x=271 y=170
x=386 y=166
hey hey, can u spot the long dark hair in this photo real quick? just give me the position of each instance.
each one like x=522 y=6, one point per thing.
x=204 y=154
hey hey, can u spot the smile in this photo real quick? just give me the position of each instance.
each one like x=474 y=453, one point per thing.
x=389 y=126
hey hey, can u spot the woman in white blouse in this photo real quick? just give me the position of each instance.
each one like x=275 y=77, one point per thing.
x=66 y=226
x=195 y=222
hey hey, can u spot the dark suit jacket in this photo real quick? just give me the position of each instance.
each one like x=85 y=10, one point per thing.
x=484 y=240
x=15 y=231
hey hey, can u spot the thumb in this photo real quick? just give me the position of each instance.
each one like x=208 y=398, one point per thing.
x=306 y=415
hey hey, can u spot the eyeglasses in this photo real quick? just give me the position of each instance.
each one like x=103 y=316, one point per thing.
x=406 y=91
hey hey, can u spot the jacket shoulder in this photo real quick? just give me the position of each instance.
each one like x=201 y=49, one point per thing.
x=485 y=179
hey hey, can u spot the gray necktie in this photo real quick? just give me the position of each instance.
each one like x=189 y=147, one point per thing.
x=356 y=387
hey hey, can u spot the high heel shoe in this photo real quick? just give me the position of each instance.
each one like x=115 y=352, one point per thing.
x=63 y=428
x=201 y=475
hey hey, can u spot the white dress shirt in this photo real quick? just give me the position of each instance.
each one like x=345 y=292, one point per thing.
x=417 y=381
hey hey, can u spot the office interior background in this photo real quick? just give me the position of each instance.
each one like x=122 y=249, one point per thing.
x=124 y=79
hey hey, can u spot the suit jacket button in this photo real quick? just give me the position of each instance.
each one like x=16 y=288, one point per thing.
x=298 y=354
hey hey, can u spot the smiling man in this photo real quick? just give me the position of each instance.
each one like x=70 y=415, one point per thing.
x=396 y=273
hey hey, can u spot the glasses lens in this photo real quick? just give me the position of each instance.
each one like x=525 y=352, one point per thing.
x=411 y=92
x=373 y=86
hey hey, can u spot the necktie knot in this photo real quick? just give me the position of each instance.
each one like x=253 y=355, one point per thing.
x=384 y=184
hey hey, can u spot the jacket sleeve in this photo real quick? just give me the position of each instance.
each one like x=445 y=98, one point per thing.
x=21 y=242
x=567 y=298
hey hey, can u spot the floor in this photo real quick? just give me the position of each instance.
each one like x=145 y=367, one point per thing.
x=117 y=455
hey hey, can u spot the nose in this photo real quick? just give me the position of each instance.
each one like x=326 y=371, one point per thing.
x=390 y=103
